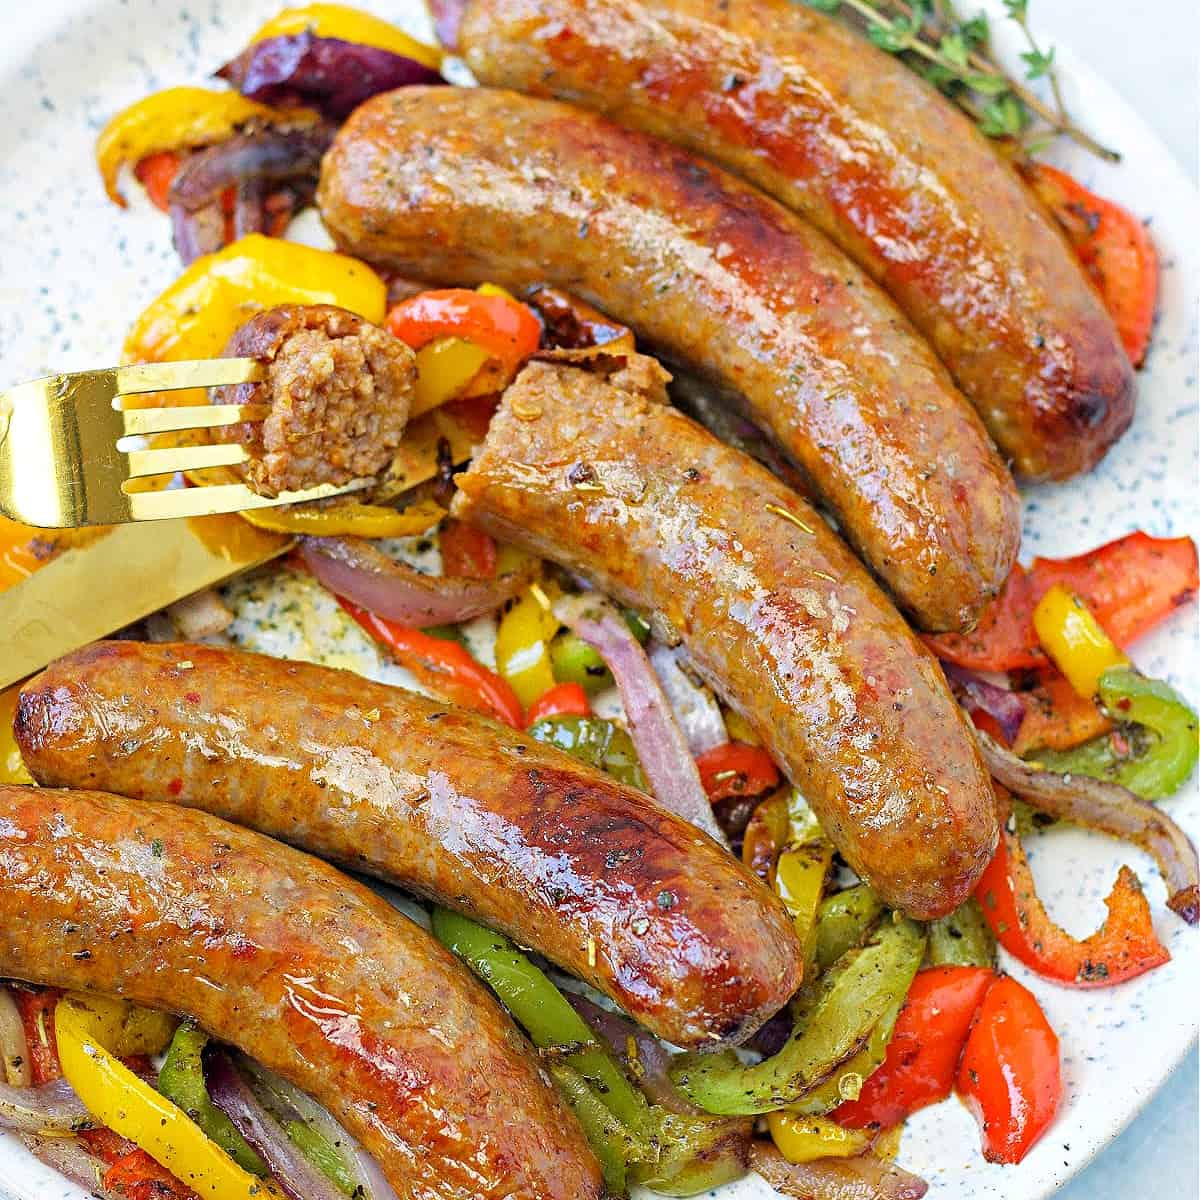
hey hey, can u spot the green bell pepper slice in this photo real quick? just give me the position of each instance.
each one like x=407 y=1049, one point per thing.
x=181 y=1080
x=1166 y=745
x=832 y=1024
x=595 y=741
x=843 y=922
x=962 y=939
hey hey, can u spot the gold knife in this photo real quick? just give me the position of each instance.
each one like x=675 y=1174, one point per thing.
x=132 y=571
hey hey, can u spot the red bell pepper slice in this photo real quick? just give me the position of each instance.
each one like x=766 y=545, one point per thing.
x=1123 y=947
x=37 y=1017
x=467 y=552
x=505 y=328
x=443 y=666
x=736 y=769
x=106 y=1145
x=156 y=173
x=563 y=699
x=136 y=1176
x=1010 y=1076
x=1057 y=717
x=1130 y=584
x=1114 y=248
x=922 y=1057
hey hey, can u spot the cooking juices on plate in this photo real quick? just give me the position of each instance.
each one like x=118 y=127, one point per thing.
x=567 y=811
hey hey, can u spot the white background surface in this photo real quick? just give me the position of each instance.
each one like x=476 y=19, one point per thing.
x=1150 y=52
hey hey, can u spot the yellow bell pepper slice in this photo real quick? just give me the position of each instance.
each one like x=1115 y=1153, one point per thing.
x=1073 y=638
x=114 y=1095
x=802 y=1139
x=200 y=311
x=124 y=1028
x=523 y=644
x=350 y=25
x=179 y=118
x=352 y=518
x=739 y=729
x=12 y=766
x=444 y=369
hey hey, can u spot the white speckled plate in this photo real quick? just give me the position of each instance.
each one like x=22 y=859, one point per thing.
x=74 y=271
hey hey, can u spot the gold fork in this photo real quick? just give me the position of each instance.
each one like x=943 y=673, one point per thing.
x=61 y=464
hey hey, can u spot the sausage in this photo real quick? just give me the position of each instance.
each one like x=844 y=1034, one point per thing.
x=473 y=185
x=337 y=390
x=774 y=611
x=591 y=873
x=306 y=971
x=877 y=159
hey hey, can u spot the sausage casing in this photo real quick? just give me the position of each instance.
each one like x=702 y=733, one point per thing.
x=774 y=611
x=593 y=874
x=306 y=971
x=472 y=185
x=891 y=170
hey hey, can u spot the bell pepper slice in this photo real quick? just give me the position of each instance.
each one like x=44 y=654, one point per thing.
x=156 y=172
x=136 y=1176
x=848 y=1002
x=37 y=1019
x=801 y=1139
x=593 y=740
x=844 y=920
x=1131 y=585
x=573 y=661
x=963 y=938
x=466 y=550
x=116 y=1096
x=1123 y=947
x=181 y=1079
x=444 y=666
x=540 y=1008
x=1114 y=248
x=766 y=833
x=1161 y=749
x=1056 y=716
x=1010 y=1076
x=179 y=118
x=735 y=769
x=199 y=312
x=523 y=644
x=349 y=517
x=1073 y=639
x=455 y=331
x=349 y=25
x=922 y=1058
x=127 y=1030
x=562 y=700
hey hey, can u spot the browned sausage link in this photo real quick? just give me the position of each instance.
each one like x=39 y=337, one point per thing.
x=476 y=185
x=592 y=874
x=876 y=158
x=305 y=970
x=775 y=612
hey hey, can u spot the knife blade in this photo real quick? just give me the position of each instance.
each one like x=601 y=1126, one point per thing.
x=132 y=571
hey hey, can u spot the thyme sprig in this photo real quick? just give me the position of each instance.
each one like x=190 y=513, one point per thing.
x=954 y=55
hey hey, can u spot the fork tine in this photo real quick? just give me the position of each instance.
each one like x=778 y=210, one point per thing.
x=171 y=376
x=142 y=421
x=183 y=458
x=222 y=498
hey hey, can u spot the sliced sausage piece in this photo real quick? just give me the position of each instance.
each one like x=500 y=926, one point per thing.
x=338 y=390
x=774 y=612
x=472 y=185
x=875 y=157
x=592 y=874
x=305 y=970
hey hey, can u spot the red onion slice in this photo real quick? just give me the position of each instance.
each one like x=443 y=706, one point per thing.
x=330 y=74
x=352 y=567
x=71 y=1159
x=999 y=703
x=694 y=706
x=232 y=1095
x=197 y=233
x=14 y=1047
x=660 y=743
x=48 y=1108
x=1107 y=808
x=863 y=1178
